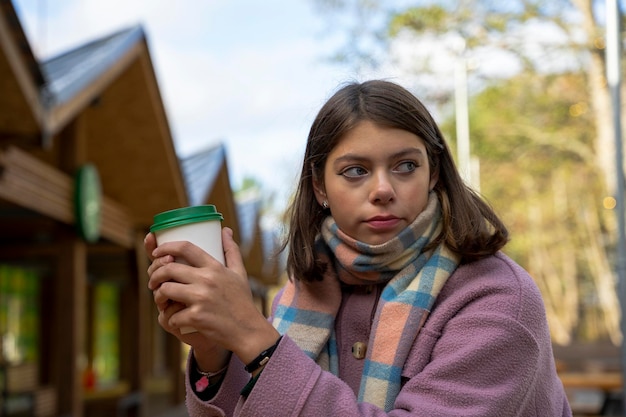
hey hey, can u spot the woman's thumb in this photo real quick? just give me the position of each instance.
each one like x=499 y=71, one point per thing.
x=232 y=254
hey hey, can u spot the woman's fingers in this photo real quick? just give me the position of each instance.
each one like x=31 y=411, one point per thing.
x=161 y=300
x=177 y=282
x=159 y=262
x=164 y=269
x=232 y=254
x=165 y=314
x=149 y=244
x=184 y=252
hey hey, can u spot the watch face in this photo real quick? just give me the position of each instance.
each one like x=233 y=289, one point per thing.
x=88 y=202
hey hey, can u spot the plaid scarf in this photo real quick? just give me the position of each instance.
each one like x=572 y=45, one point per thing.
x=306 y=310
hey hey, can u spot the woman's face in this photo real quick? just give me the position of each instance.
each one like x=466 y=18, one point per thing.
x=376 y=182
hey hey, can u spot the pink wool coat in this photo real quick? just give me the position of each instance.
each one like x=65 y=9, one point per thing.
x=484 y=351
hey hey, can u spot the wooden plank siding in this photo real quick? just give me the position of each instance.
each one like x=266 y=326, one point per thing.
x=30 y=183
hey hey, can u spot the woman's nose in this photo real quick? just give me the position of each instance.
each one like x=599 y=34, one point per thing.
x=382 y=189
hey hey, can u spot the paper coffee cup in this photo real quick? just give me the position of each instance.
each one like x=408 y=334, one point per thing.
x=200 y=225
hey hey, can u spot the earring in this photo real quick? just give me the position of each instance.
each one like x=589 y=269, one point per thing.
x=325 y=204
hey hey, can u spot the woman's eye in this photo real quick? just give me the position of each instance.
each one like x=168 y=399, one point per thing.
x=407 y=166
x=354 y=172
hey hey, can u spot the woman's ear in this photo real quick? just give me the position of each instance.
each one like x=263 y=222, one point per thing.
x=434 y=177
x=320 y=193
x=318 y=188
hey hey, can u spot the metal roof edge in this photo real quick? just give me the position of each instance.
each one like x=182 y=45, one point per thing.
x=100 y=55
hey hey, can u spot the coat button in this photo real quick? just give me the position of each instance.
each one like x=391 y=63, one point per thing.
x=358 y=350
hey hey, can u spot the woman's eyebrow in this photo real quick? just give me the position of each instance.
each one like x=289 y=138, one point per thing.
x=408 y=152
x=353 y=157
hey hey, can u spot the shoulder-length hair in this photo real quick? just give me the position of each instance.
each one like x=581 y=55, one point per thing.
x=470 y=227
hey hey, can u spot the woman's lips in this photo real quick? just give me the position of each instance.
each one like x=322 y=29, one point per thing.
x=382 y=223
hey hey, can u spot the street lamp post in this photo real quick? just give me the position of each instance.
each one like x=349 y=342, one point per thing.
x=613 y=50
x=462 y=119
x=469 y=167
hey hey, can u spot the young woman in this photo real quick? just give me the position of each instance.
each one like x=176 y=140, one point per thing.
x=399 y=302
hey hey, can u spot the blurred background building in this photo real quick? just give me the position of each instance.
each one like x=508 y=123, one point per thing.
x=86 y=160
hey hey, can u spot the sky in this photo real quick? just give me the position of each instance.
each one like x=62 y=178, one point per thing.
x=249 y=74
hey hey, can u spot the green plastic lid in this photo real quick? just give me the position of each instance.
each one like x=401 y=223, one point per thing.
x=185 y=215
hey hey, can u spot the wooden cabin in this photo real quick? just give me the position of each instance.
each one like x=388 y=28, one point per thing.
x=86 y=160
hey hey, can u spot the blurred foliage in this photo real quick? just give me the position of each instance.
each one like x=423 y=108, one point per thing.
x=370 y=26
x=535 y=143
x=540 y=135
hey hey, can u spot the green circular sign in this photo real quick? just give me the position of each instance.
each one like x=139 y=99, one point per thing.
x=88 y=202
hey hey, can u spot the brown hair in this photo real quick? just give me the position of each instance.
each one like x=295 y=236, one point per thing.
x=470 y=226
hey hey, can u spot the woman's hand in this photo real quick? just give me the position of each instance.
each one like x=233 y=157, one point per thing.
x=215 y=357
x=213 y=298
